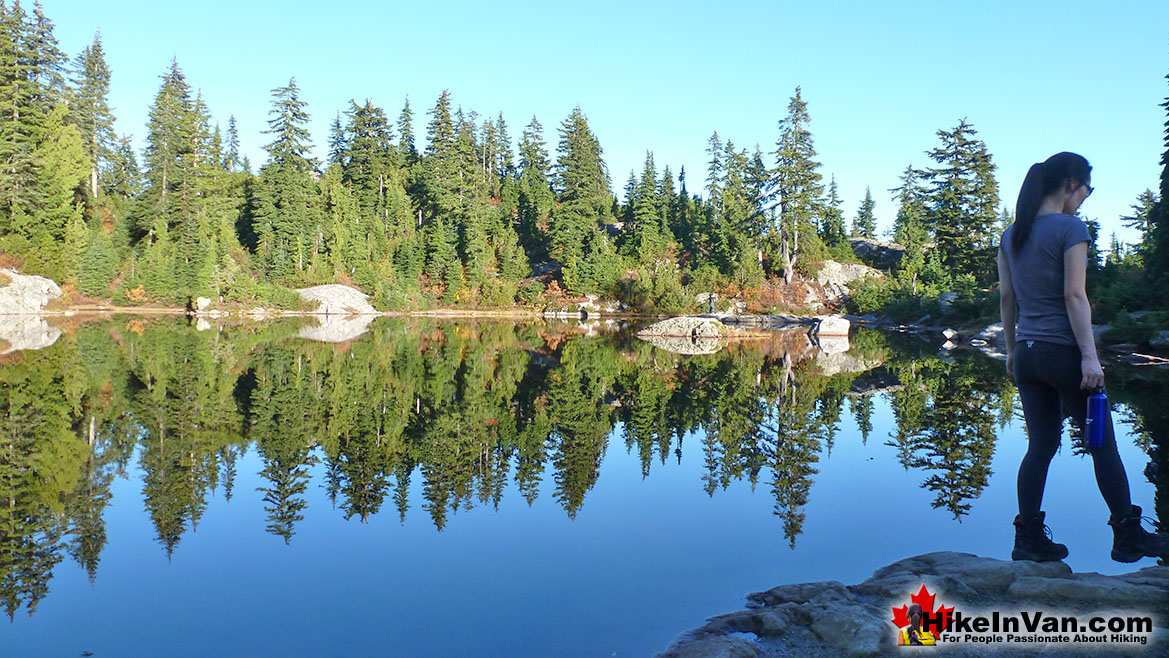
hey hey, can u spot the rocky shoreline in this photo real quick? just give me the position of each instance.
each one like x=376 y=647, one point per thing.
x=833 y=619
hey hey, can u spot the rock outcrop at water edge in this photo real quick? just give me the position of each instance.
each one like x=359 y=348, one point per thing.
x=833 y=619
x=336 y=299
x=834 y=278
x=25 y=295
x=694 y=334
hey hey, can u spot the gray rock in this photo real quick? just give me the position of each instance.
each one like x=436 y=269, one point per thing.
x=26 y=332
x=336 y=299
x=705 y=297
x=1100 y=591
x=831 y=325
x=773 y=321
x=720 y=646
x=689 y=326
x=202 y=304
x=26 y=295
x=881 y=254
x=834 y=277
x=851 y=628
x=799 y=593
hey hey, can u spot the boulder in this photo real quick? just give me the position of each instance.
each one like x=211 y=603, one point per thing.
x=689 y=326
x=831 y=325
x=26 y=295
x=882 y=254
x=834 y=277
x=700 y=334
x=336 y=299
x=202 y=304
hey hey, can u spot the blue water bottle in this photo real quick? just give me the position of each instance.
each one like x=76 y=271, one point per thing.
x=1096 y=417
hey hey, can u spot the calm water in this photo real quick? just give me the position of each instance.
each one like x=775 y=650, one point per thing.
x=482 y=488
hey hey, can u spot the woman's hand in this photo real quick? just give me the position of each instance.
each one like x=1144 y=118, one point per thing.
x=1093 y=373
x=1011 y=365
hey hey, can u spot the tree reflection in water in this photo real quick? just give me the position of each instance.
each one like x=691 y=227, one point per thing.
x=471 y=408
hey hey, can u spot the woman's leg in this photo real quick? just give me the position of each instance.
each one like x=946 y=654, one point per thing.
x=1110 y=475
x=1041 y=410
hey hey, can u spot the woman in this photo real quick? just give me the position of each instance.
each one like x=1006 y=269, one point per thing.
x=1051 y=355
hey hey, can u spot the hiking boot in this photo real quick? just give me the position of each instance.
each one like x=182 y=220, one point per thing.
x=1131 y=542
x=1033 y=541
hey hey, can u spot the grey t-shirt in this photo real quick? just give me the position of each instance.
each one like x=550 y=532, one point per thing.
x=1037 y=276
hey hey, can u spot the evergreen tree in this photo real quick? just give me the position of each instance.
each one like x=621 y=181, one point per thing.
x=21 y=117
x=1141 y=219
x=63 y=165
x=582 y=191
x=285 y=215
x=231 y=156
x=865 y=224
x=962 y=202
x=406 y=133
x=47 y=63
x=1157 y=258
x=535 y=194
x=91 y=111
x=647 y=233
x=832 y=220
x=124 y=179
x=796 y=183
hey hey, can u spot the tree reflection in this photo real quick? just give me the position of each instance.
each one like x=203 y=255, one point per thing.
x=458 y=415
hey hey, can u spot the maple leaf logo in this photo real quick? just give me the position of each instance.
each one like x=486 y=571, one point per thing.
x=926 y=601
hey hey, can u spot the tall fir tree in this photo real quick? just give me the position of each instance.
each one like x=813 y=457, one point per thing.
x=865 y=223
x=286 y=213
x=1141 y=220
x=797 y=186
x=832 y=219
x=962 y=203
x=21 y=117
x=231 y=154
x=91 y=111
x=584 y=204
x=535 y=192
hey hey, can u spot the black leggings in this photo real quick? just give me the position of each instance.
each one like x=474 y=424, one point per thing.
x=1048 y=377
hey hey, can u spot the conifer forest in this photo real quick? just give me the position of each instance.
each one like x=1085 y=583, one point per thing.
x=442 y=206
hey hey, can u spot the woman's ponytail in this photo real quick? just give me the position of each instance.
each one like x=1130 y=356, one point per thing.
x=1030 y=197
x=1044 y=178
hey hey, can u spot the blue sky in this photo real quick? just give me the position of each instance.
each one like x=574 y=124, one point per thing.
x=880 y=78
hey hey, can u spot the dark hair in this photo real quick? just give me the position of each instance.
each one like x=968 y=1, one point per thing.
x=1042 y=179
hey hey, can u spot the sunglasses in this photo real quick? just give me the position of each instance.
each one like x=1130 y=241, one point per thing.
x=1090 y=190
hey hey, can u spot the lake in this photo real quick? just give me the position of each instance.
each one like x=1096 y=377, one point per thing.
x=496 y=488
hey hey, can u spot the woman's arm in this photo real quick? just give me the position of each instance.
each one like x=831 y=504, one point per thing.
x=1075 y=266
x=1007 y=310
